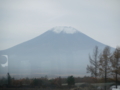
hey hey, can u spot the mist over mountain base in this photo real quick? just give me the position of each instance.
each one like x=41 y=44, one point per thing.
x=60 y=51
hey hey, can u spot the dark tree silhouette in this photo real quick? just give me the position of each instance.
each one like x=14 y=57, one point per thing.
x=70 y=81
x=37 y=82
x=9 y=79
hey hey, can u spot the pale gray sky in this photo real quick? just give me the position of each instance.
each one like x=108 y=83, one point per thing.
x=21 y=20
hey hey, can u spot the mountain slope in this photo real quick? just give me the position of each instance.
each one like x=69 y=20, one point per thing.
x=59 y=51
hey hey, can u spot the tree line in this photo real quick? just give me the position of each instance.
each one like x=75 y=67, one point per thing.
x=105 y=64
x=42 y=82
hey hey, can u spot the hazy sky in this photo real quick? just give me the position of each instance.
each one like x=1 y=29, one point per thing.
x=21 y=20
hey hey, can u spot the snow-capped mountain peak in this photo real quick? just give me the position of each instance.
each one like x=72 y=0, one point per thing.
x=64 y=29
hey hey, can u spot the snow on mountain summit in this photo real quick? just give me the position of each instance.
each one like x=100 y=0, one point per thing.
x=64 y=29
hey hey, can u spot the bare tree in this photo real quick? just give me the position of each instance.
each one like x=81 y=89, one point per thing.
x=115 y=63
x=93 y=67
x=104 y=63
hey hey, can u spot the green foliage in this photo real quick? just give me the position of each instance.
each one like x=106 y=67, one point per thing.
x=37 y=82
x=70 y=80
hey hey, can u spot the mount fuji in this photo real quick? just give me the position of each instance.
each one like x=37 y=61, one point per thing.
x=61 y=51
